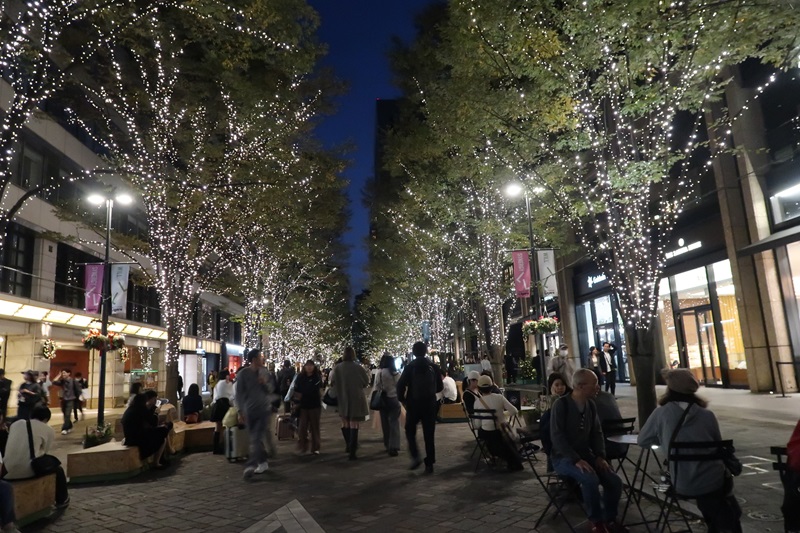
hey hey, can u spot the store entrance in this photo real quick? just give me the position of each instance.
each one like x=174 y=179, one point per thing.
x=699 y=351
x=608 y=333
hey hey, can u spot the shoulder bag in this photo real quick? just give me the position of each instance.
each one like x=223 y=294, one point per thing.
x=42 y=465
x=377 y=402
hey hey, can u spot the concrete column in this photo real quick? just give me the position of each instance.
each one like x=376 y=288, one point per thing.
x=44 y=270
x=745 y=219
x=566 y=309
x=19 y=357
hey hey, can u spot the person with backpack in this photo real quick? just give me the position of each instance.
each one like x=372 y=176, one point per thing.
x=416 y=389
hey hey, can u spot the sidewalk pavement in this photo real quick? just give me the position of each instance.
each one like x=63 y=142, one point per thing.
x=203 y=492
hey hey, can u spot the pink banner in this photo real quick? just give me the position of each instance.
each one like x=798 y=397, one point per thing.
x=522 y=273
x=93 y=282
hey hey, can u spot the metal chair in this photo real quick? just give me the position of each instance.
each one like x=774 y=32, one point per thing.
x=685 y=452
x=474 y=420
x=615 y=427
x=553 y=485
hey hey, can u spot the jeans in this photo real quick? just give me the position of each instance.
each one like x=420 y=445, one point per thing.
x=590 y=488
x=721 y=511
x=7 y=515
x=257 y=427
x=62 y=495
x=390 y=424
x=78 y=406
x=427 y=415
x=66 y=409
x=309 y=423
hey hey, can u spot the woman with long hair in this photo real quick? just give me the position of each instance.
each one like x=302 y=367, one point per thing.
x=192 y=405
x=386 y=383
x=308 y=397
x=348 y=381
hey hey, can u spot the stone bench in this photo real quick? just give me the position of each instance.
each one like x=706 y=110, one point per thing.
x=33 y=498
x=196 y=437
x=110 y=461
x=452 y=412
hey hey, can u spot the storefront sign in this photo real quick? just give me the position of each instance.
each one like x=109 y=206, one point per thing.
x=522 y=273
x=591 y=281
x=93 y=284
x=684 y=248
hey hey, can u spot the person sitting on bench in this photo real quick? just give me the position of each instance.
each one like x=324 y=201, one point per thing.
x=141 y=428
x=7 y=514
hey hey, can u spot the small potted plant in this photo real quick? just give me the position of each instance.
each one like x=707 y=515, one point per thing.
x=97 y=435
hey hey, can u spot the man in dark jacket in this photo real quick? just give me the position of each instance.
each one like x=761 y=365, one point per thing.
x=417 y=389
x=5 y=392
x=285 y=378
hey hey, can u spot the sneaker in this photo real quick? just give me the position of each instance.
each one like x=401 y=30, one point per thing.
x=263 y=467
x=393 y=453
x=316 y=452
x=63 y=504
x=248 y=472
x=63 y=431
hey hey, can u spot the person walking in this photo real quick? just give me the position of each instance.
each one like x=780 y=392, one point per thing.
x=211 y=382
x=254 y=395
x=386 y=383
x=5 y=393
x=416 y=389
x=562 y=364
x=224 y=394
x=180 y=387
x=69 y=395
x=348 y=382
x=308 y=396
x=30 y=394
x=285 y=377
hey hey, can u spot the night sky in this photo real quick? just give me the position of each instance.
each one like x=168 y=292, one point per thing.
x=358 y=34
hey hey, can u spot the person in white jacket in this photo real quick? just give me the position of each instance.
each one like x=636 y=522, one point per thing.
x=490 y=431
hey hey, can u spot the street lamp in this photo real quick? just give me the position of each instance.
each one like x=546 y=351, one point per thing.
x=513 y=190
x=98 y=199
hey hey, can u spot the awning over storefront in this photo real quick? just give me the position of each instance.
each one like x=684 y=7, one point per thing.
x=779 y=238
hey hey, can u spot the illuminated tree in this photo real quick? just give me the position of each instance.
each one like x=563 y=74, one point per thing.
x=602 y=104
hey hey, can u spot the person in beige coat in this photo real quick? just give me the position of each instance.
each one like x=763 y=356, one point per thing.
x=348 y=382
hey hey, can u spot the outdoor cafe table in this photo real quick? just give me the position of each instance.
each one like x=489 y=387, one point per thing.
x=636 y=486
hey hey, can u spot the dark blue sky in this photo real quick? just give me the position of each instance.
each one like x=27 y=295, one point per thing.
x=358 y=34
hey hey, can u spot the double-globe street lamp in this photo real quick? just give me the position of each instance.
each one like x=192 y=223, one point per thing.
x=99 y=199
x=513 y=190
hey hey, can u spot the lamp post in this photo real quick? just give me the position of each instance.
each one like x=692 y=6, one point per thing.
x=513 y=190
x=98 y=199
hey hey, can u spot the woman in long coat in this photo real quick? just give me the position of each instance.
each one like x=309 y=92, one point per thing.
x=348 y=381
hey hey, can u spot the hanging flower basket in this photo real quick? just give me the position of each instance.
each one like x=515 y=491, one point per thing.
x=544 y=325
x=94 y=340
x=49 y=349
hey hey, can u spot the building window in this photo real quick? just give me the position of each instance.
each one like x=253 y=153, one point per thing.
x=69 y=290
x=785 y=204
x=692 y=288
x=729 y=320
x=669 y=335
x=16 y=276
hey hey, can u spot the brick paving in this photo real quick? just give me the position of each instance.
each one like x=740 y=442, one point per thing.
x=203 y=492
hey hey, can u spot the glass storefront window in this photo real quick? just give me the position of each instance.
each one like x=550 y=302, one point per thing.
x=666 y=315
x=603 y=310
x=585 y=327
x=729 y=320
x=692 y=288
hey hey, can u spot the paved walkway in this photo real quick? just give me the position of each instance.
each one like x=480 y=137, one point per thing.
x=203 y=492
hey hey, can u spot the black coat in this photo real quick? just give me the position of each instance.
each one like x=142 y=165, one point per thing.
x=308 y=388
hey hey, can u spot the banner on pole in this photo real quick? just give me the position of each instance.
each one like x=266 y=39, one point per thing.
x=547 y=272
x=119 y=290
x=93 y=284
x=522 y=273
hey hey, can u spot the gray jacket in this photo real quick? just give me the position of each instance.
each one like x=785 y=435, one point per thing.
x=576 y=435
x=255 y=392
x=691 y=479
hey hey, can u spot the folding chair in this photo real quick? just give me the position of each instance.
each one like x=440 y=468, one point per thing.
x=615 y=427
x=552 y=484
x=686 y=452
x=474 y=421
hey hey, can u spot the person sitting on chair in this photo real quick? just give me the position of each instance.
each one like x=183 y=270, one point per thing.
x=683 y=417
x=471 y=392
x=490 y=431
x=449 y=392
x=579 y=452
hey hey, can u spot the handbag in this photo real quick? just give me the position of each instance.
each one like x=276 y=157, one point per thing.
x=192 y=418
x=732 y=463
x=329 y=399
x=377 y=402
x=44 y=464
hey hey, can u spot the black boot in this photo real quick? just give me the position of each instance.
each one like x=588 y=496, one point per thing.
x=218 y=450
x=353 y=443
x=346 y=435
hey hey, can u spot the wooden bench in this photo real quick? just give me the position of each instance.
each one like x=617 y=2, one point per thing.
x=196 y=437
x=452 y=412
x=33 y=498
x=110 y=461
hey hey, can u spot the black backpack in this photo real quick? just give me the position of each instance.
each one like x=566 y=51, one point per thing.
x=423 y=384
